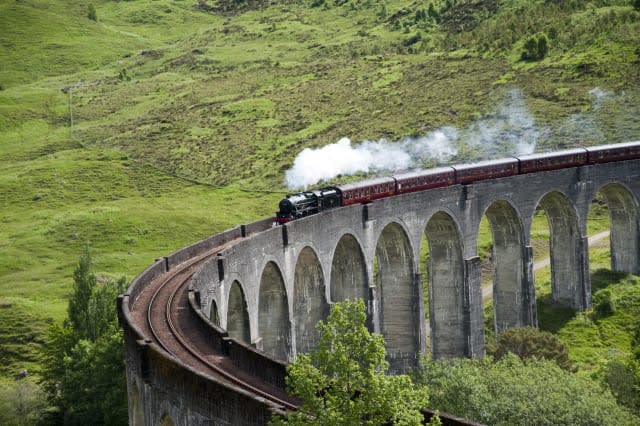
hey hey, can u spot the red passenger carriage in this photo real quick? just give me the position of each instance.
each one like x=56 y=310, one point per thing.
x=368 y=190
x=467 y=173
x=552 y=160
x=425 y=179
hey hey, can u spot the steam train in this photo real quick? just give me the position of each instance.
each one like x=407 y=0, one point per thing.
x=302 y=204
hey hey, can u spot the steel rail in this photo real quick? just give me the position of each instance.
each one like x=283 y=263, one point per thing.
x=183 y=342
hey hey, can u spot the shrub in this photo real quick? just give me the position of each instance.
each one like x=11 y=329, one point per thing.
x=528 y=342
x=513 y=392
x=91 y=13
x=535 y=48
x=623 y=378
x=603 y=304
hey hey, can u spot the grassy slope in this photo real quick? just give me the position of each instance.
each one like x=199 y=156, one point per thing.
x=229 y=101
x=56 y=195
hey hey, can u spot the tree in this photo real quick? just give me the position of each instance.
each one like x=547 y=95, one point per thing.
x=83 y=367
x=535 y=48
x=511 y=391
x=529 y=342
x=343 y=381
x=543 y=46
x=91 y=12
x=84 y=281
x=21 y=402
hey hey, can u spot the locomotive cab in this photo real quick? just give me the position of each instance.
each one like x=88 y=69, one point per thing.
x=303 y=204
x=296 y=205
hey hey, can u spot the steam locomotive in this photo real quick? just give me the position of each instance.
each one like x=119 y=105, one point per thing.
x=302 y=204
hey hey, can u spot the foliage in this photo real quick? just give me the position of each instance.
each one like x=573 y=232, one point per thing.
x=91 y=12
x=529 y=342
x=435 y=420
x=83 y=361
x=343 y=381
x=535 y=48
x=603 y=304
x=84 y=282
x=623 y=378
x=513 y=392
x=21 y=403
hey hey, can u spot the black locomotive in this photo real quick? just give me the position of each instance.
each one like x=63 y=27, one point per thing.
x=303 y=204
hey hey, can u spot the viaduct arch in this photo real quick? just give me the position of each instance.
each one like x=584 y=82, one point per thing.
x=270 y=287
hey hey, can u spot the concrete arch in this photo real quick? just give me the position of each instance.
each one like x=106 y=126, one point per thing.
x=446 y=287
x=238 y=325
x=348 y=271
x=510 y=287
x=273 y=313
x=166 y=420
x=399 y=294
x=568 y=268
x=624 y=239
x=309 y=301
x=136 y=411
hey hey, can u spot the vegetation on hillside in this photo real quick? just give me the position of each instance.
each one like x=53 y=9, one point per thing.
x=529 y=342
x=511 y=391
x=83 y=361
x=112 y=113
x=343 y=381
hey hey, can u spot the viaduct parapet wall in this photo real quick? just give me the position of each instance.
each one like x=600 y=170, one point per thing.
x=269 y=288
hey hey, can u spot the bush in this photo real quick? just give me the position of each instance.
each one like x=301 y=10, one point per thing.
x=412 y=40
x=513 y=392
x=91 y=13
x=535 y=48
x=21 y=402
x=623 y=378
x=603 y=304
x=528 y=342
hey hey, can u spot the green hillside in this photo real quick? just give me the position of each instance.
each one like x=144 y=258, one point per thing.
x=164 y=121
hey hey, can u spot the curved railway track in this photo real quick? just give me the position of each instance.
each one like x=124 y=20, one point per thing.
x=170 y=322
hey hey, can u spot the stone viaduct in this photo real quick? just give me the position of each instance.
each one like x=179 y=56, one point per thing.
x=270 y=288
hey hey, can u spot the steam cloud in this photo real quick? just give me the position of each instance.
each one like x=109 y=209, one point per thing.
x=342 y=158
x=510 y=131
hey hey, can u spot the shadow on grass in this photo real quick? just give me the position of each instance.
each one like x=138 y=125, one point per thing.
x=603 y=278
x=552 y=316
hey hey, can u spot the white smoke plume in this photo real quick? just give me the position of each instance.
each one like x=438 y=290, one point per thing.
x=599 y=96
x=511 y=130
x=585 y=126
x=342 y=158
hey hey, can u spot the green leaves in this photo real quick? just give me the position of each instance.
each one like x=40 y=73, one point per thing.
x=343 y=381
x=535 y=48
x=83 y=372
x=511 y=391
x=529 y=342
x=84 y=281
